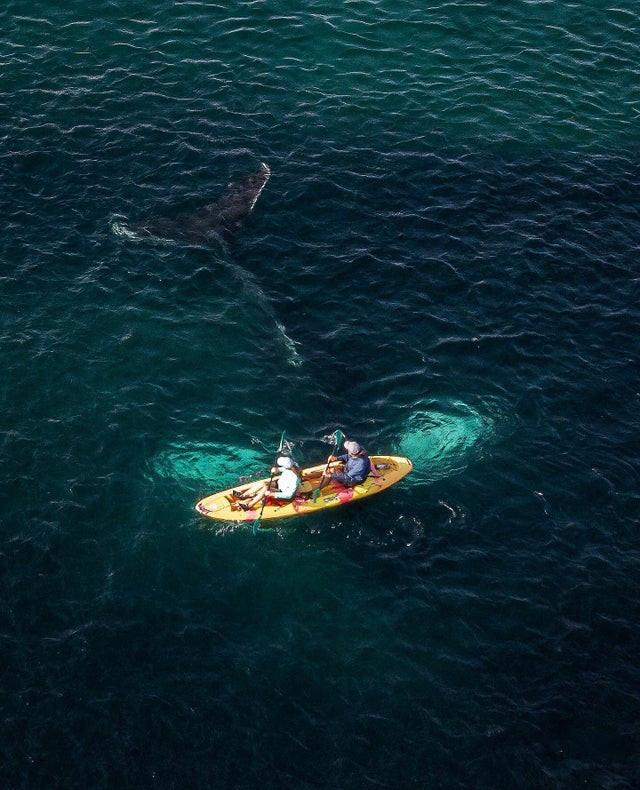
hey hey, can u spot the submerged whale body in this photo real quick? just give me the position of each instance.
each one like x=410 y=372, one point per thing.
x=219 y=219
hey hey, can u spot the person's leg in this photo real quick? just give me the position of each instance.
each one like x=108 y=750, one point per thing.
x=258 y=495
x=250 y=491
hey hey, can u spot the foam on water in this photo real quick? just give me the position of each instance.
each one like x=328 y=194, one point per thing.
x=440 y=441
x=122 y=230
x=294 y=357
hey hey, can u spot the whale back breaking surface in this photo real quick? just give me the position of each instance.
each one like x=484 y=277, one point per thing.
x=221 y=218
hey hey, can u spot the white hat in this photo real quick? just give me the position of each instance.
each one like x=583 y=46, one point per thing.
x=352 y=447
x=284 y=462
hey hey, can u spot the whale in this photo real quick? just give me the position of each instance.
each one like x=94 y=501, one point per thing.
x=218 y=220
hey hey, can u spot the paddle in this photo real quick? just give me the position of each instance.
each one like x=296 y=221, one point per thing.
x=338 y=438
x=283 y=444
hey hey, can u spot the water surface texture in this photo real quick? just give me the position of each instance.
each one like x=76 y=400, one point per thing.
x=443 y=263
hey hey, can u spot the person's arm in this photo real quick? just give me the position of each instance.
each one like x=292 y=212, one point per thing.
x=335 y=462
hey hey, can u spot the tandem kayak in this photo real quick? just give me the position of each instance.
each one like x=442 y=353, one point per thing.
x=387 y=470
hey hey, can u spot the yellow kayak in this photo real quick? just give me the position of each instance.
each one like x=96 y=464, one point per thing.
x=388 y=469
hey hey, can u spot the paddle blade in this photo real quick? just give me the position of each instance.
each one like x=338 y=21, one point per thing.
x=317 y=491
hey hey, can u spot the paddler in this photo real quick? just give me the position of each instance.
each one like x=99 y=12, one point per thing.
x=286 y=479
x=356 y=465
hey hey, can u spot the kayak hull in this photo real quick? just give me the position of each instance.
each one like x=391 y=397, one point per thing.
x=389 y=470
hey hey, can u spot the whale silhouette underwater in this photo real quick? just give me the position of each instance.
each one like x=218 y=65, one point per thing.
x=220 y=219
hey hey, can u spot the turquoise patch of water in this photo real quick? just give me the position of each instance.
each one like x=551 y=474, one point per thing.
x=441 y=441
x=216 y=464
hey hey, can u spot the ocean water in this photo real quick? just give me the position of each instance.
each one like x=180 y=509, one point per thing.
x=444 y=263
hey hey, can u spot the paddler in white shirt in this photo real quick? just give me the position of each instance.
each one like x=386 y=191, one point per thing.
x=287 y=478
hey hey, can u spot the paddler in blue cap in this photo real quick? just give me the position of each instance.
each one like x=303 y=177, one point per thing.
x=356 y=465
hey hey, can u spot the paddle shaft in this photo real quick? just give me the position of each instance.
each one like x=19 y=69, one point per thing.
x=326 y=469
x=264 y=501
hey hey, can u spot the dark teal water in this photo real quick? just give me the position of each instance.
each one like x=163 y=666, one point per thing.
x=444 y=263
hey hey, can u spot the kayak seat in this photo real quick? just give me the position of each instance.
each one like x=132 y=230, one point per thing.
x=271 y=500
